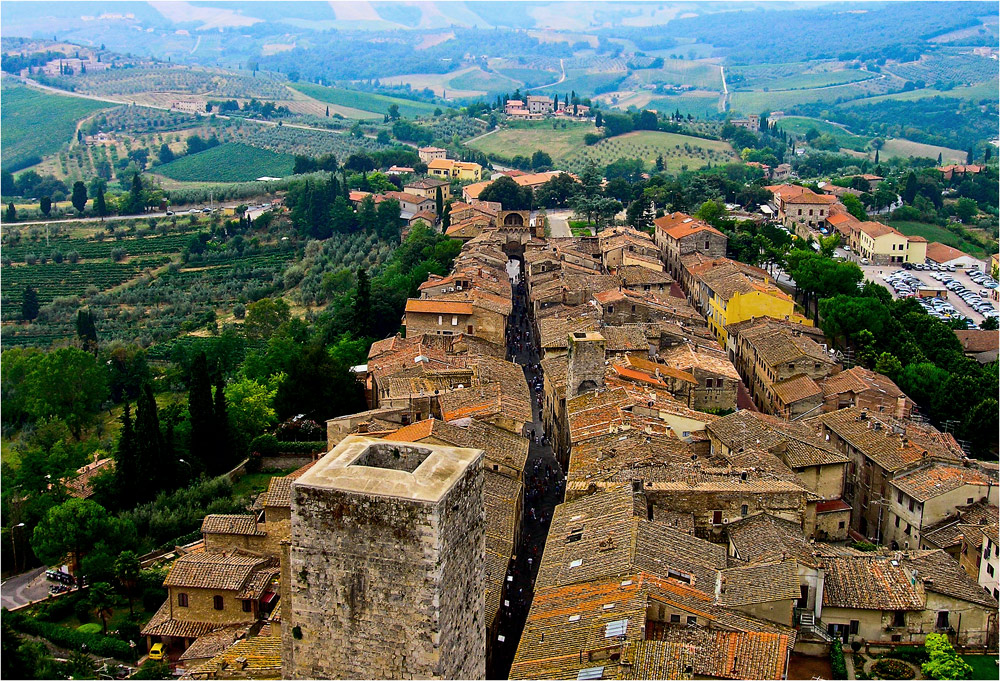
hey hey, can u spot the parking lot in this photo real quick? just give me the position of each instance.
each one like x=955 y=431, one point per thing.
x=964 y=295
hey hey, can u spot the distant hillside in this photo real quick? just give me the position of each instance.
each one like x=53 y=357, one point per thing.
x=366 y=101
x=37 y=123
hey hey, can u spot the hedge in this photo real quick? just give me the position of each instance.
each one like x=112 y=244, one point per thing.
x=839 y=667
x=269 y=445
x=97 y=644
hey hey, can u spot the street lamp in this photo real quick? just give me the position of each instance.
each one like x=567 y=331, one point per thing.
x=13 y=544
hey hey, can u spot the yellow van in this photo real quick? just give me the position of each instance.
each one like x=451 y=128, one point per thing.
x=157 y=652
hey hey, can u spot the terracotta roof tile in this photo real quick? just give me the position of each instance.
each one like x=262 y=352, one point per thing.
x=223 y=571
x=940 y=573
x=231 y=524
x=925 y=483
x=870 y=583
x=796 y=388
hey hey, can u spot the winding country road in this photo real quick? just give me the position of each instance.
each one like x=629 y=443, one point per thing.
x=562 y=78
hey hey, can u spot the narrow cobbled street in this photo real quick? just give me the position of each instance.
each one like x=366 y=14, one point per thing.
x=544 y=481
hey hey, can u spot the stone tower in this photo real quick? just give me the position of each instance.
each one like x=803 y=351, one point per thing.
x=586 y=363
x=385 y=564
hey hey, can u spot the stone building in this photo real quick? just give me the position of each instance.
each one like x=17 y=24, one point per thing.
x=780 y=364
x=679 y=234
x=386 y=539
x=880 y=448
x=209 y=592
x=586 y=363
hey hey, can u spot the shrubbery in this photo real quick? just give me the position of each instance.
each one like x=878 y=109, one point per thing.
x=837 y=660
x=96 y=644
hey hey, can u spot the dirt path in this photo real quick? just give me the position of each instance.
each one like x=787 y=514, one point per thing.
x=562 y=78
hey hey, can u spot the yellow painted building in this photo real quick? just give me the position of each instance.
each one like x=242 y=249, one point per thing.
x=882 y=245
x=448 y=169
x=730 y=292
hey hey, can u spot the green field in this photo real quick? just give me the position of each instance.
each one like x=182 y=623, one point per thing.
x=906 y=149
x=676 y=150
x=481 y=80
x=987 y=90
x=569 y=152
x=38 y=123
x=937 y=233
x=583 y=83
x=366 y=101
x=530 y=77
x=683 y=72
x=756 y=101
x=800 y=125
x=228 y=163
x=699 y=107
x=802 y=81
x=527 y=138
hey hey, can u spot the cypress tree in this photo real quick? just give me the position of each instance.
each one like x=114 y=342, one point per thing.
x=100 y=205
x=439 y=201
x=876 y=157
x=202 y=415
x=29 y=304
x=86 y=329
x=362 y=312
x=223 y=435
x=126 y=462
x=151 y=468
x=910 y=191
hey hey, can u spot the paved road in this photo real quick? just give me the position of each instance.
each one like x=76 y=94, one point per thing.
x=544 y=485
x=24 y=588
x=559 y=222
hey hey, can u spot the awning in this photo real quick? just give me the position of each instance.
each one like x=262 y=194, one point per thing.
x=268 y=597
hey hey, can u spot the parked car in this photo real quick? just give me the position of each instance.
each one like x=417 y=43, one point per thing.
x=157 y=652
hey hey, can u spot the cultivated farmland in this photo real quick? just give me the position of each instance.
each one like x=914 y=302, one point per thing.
x=569 y=152
x=38 y=123
x=907 y=149
x=678 y=151
x=800 y=125
x=228 y=163
x=365 y=101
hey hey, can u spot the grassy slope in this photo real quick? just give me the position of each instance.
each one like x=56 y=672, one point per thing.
x=906 y=148
x=755 y=102
x=936 y=233
x=648 y=144
x=228 y=163
x=568 y=150
x=481 y=80
x=979 y=91
x=800 y=126
x=366 y=101
x=524 y=139
x=38 y=123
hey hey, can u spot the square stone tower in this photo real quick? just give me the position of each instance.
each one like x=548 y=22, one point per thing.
x=385 y=564
x=586 y=363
